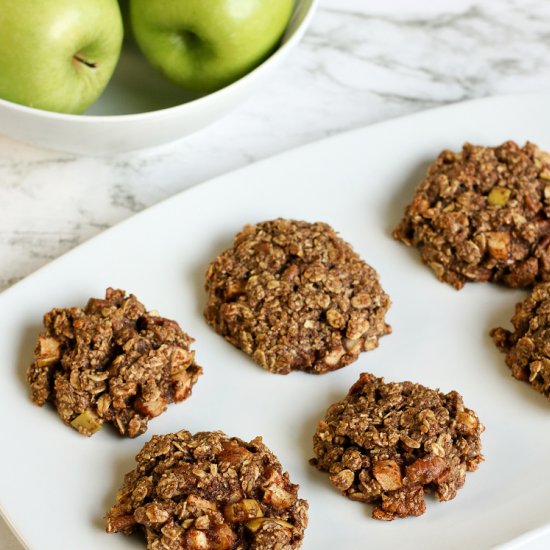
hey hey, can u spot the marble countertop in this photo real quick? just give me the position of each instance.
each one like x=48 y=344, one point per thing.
x=360 y=62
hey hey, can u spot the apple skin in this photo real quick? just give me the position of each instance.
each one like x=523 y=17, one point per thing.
x=58 y=55
x=204 y=45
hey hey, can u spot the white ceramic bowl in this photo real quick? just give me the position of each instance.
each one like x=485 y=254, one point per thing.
x=139 y=108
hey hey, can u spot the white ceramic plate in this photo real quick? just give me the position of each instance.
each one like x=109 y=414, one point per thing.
x=55 y=485
x=139 y=108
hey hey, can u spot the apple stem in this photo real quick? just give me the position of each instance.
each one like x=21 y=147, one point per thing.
x=84 y=62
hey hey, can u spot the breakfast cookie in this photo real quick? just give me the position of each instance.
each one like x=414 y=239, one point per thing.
x=112 y=361
x=294 y=296
x=209 y=491
x=390 y=443
x=483 y=215
x=527 y=349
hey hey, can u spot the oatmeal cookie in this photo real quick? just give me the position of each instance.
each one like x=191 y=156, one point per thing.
x=390 y=443
x=112 y=361
x=209 y=491
x=483 y=215
x=527 y=349
x=294 y=296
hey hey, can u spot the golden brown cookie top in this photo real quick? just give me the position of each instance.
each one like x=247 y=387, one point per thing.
x=483 y=215
x=391 y=442
x=111 y=361
x=527 y=348
x=295 y=296
x=209 y=491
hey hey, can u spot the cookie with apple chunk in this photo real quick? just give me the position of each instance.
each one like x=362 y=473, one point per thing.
x=527 y=348
x=389 y=443
x=111 y=361
x=209 y=491
x=483 y=214
x=294 y=296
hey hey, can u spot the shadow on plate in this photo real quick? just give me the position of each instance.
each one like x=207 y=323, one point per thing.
x=392 y=212
x=395 y=208
x=197 y=273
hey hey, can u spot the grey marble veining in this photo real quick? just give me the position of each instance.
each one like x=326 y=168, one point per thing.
x=361 y=61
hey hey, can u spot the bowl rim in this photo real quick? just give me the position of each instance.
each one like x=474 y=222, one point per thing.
x=213 y=96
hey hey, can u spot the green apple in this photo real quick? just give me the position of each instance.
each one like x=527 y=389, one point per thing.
x=204 y=45
x=58 y=55
x=124 y=6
